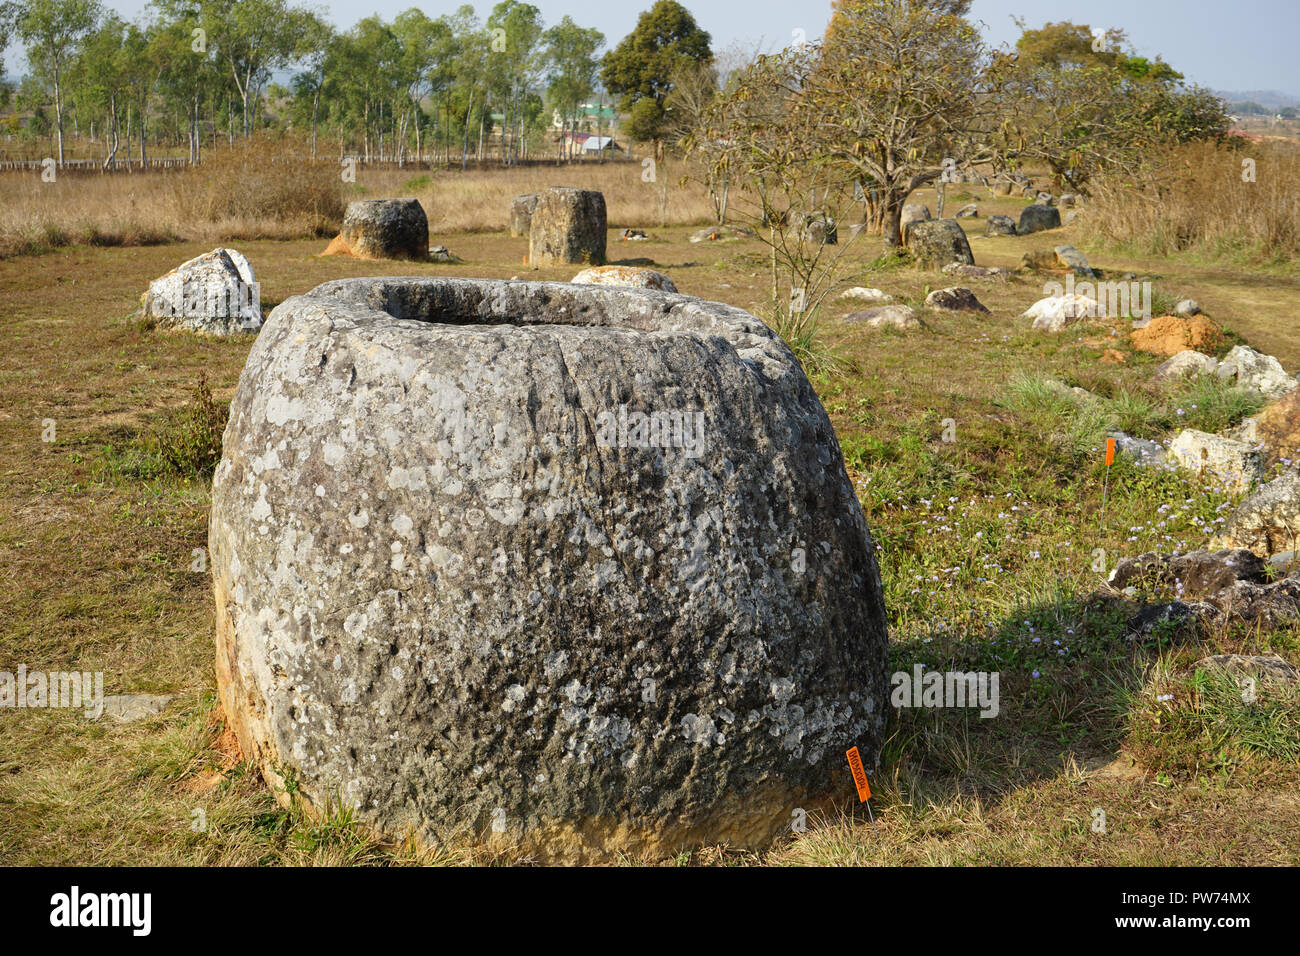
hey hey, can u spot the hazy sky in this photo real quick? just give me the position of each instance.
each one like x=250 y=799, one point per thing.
x=1222 y=44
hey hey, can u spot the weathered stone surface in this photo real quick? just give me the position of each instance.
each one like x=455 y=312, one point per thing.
x=1176 y=618
x=954 y=300
x=722 y=234
x=443 y=254
x=1268 y=522
x=969 y=211
x=1188 y=307
x=1268 y=670
x=452 y=590
x=1185 y=364
x=818 y=227
x=1037 y=218
x=521 y=214
x=914 y=212
x=129 y=708
x=212 y=294
x=1234 y=464
x=383 y=229
x=936 y=243
x=1256 y=372
x=999 y=225
x=1277 y=428
x=1267 y=605
x=1143 y=452
x=1071 y=258
x=1000 y=273
x=625 y=276
x=1198 y=575
x=862 y=294
x=568 y=226
x=886 y=316
x=1057 y=312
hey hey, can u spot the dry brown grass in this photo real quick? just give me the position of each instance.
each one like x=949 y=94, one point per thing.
x=1195 y=201
x=266 y=190
x=478 y=200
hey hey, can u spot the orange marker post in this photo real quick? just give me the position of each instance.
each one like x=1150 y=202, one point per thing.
x=1105 y=487
x=860 y=780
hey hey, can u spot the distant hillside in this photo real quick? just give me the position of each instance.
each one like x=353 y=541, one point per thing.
x=1271 y=99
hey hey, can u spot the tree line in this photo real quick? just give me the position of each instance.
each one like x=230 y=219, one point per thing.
x=195 y=72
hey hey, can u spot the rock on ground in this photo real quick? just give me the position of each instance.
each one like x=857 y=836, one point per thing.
x=1268 y=522
x=568 y=227
x=129 y=708
x=914 y=212
x=1057 y=312
x=954 y=300
x=1188 y=307
x=1235 y=464
x=1185 y=364
x=818 y=227
x=936 y=243
x=521 y=214
x=1143 y=452
x=1256 y=372
x=1071 y=258
x=886 y=316
x=1266 y=669
x=969 y=211
x=212 y=294
x=443 y=254
x=579 y=564
x=999 y=273
x=862 y=294
x=383 y=229
x=999 y=225
x=624 y=276
x=1038 y=218
x=1197 y=575
x=722 y=233
x=1277 y=428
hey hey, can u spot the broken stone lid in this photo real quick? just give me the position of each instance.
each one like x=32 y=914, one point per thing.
x=576 y=569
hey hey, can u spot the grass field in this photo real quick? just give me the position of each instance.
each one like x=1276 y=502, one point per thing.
x=988 y=543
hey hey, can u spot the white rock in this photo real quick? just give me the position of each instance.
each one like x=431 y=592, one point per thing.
x=1057 y=312
x=866 y=295
x=1257 y=372
x=214 y=294
x=1184 y=364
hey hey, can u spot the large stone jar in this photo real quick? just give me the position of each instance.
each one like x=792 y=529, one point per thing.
x=570 y=568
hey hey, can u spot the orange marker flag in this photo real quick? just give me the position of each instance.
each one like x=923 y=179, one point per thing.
x=1110 y=452
x=859 y=775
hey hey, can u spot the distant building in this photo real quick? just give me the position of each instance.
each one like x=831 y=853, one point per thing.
x=588 y=143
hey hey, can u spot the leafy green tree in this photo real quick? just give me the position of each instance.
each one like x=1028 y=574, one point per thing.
x=253 y=38
x=571 y=55
x=97 y=79
x=641 y=68
x=315 y=37
x=53 y=30
x=515 y=61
